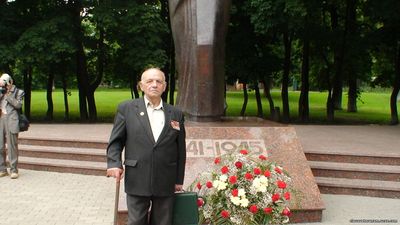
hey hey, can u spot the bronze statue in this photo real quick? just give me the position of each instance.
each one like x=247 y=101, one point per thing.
x=199 y=28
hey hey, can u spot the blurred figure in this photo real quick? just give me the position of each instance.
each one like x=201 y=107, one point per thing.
x=10 y=102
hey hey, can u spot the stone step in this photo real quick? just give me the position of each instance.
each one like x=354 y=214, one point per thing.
x=56 y=152
x=355 y=171
x=63 y=166
x=63 y=143
x=381 y=158
x=372 y=188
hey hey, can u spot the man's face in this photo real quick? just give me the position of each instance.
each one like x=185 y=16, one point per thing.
x=153 y=83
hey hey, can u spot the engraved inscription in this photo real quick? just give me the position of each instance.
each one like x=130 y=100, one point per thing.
x=216 y=147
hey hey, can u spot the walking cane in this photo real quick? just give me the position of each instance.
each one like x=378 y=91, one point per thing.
x=117 y=183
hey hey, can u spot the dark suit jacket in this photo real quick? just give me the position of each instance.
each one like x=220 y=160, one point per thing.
x=151 y=168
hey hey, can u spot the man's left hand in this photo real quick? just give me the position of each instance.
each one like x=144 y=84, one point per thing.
x=178 y=187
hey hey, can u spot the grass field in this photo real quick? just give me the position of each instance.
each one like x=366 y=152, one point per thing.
x=373 y=107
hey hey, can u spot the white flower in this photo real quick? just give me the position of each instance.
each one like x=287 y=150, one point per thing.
x=260 y=184
x=241 y=192
x=235 y=200
x=219 y=185
x=216 y=183
x=222 y=186
x=264 y=180
x=244 y=202
x=223 y=178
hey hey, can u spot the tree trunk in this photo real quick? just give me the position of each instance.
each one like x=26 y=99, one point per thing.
x=99 y=76
x=81 y=70
x=172 y=77
x=305 y=69
x=50 y=106
x=134 y=89
x=91 y=101
x=245 y=99
x=352 y=74
x=330 y=112
x=330 y=109
x=65 y=93
x=396 y=89
x=28 y=91
x=338 y=61
x=285 y=79
x=258 y=100
x=167 y=46
x=225 y=103
x=267 y=94
x=352 y=95
x=337 y=89
x=82 y=84
x=170 y=51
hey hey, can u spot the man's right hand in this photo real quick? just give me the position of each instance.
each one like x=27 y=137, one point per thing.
x=118 y=173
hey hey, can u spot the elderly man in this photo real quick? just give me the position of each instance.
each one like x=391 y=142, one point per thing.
x=10 y=102
x=153 y=135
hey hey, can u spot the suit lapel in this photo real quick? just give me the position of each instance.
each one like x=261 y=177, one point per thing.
x=141 y=113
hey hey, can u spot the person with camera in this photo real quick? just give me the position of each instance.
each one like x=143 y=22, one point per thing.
x=10 y=103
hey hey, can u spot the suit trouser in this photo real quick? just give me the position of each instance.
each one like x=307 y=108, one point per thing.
x=12 y=146
x=160 y=214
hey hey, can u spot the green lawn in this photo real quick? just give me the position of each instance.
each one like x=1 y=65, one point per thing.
x=372 y=107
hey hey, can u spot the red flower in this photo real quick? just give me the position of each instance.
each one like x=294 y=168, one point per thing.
x=286 y=212
x=278 y=170
x=200 y=202
x=209 y=184
x=281 y=184
x=244 y=152
x=267 y=173
x=217 y=160
x=248 y=176
x=224 y=170
x=268 y=210
x=287 y=195
x=253 y=209
x=275 y=197
x=235 y=192
x=257 y=171
x=238 y=165
x=232 y=179
x=262 y=157
x=198 y=185
x=225 y=214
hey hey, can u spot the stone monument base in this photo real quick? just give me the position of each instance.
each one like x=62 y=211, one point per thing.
x=205 y=141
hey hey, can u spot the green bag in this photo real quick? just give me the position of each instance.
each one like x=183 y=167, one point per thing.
x=185 y=209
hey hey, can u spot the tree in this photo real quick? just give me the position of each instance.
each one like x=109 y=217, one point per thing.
x=384 y=21
x=244 y=58
x=136 y=31
x=308 y=33
x=280 y=17
x=47 y=45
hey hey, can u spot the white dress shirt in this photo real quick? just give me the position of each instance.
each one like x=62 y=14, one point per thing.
x=156 y=117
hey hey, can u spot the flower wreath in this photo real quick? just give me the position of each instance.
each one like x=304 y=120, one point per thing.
x=241 y=189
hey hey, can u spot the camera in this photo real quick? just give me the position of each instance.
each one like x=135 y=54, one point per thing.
x=3 y=90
